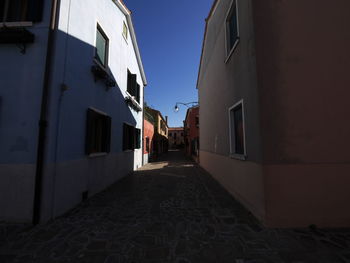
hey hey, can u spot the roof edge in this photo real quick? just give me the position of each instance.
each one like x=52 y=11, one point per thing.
x=127 y=13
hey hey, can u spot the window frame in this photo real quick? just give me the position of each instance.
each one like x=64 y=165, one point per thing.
x=137 y=88
x=105 y=142
x=31 y=12
x=232 y=135
x=134 y=138
x=229 y=52
x=104 y=35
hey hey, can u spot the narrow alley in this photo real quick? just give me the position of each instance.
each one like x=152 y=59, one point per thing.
x=168 y=211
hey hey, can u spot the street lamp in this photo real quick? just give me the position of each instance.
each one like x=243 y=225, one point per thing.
x=188 y=105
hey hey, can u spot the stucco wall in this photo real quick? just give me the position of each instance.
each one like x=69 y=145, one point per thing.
x=75 y=172
x=244 y=180
x=220 y=86
x=303 y=77
x=20 y=101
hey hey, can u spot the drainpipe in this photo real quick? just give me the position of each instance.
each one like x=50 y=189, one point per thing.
x=43 y=122
x=143 y=124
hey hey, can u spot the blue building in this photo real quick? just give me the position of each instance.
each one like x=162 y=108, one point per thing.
x=71 y=103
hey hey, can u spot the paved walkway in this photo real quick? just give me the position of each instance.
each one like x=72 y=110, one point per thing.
x=170 y=211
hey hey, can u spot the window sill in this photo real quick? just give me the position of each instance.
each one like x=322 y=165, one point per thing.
x=232 y=50
x=98 y=63
x=94 y=155
x=133 y=102
x=16 y=24
x=241 y=157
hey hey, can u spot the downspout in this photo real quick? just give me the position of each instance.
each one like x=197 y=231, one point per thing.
x=143 y=124
x=43 y=122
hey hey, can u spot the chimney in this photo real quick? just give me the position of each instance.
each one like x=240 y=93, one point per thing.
x=166 y=120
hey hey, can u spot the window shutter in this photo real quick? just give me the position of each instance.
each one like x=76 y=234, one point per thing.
x=138 y=92
x=2 y=6
x=125 y=136
x=133 y=137
x=138 y=138
x=108 y=134
x=133 y=85
x=89 y=131
x=35 y=10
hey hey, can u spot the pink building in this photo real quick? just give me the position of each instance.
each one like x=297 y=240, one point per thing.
x=274 y=114
x=147 y=138
x=191 y=127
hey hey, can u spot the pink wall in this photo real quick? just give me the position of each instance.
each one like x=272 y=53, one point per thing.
x=303 y=62
x=148 y=132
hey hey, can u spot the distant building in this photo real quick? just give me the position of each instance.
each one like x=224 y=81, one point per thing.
x=148 y=135
x=160 y=139
x=71 y=102
x=274 y=108
x=191 y=128
x=176 y=138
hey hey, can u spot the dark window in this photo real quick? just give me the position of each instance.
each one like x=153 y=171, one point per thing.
x=170 y=134
x=21 y=10
x=131 y=137
x=175 y=135
x=237 y=129
x=137 y=138
x=182 y=134
x=232 y=27
x=197 y=121
x=101 y=47
x=133 y=87
x=98 y=132
x=147 y=144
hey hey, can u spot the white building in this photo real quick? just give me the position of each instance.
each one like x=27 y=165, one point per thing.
x=79 y=75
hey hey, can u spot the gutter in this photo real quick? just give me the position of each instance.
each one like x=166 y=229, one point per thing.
x=43 y=122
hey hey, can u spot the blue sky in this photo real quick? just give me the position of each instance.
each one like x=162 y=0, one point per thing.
x=169 y=35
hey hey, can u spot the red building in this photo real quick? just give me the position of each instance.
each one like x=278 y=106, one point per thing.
x=191 y=129
x=147 y=137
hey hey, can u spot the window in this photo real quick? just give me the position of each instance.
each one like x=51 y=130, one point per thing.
x=182 y=134
x=170 y=134
x=21 y=10
x=125 y=31
x=98 y=132
x=232 y=30
x=102 y=43
x=131 y=137
x=197 y=121
x=133 y=87
x=237 y=130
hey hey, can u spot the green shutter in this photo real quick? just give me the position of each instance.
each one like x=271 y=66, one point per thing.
x=108 y=134
x=132 y=84
x=137 y=93
x=90 y=117
x=138 y=138
x=125 y=136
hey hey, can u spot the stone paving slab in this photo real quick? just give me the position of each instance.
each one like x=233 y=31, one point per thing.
x=169 y=211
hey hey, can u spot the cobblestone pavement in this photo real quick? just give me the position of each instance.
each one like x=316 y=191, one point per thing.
x=170 y=211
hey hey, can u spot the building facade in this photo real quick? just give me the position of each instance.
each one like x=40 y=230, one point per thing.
x=79 y=74
x=176 y=138
x=273 y=108
x=191 y=128
x=161 y=131
x=148 y=135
